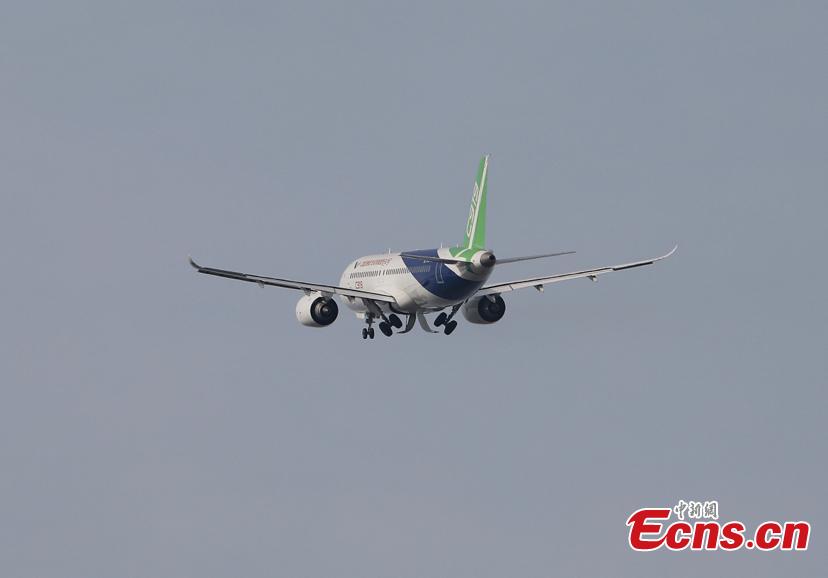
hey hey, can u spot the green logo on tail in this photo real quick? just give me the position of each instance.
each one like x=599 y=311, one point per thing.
x=475 y=237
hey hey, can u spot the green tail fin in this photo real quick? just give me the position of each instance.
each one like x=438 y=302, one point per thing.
x=475 y=236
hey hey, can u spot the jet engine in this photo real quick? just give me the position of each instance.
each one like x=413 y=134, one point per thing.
x=485 y=309
x=316 y=310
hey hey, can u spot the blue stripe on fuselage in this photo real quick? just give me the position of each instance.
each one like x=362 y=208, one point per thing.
x=444 y=283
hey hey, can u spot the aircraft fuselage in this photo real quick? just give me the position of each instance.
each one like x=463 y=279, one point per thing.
x=416 y=285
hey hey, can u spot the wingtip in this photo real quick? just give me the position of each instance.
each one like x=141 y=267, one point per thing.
x=195 y=265
x=673 y=250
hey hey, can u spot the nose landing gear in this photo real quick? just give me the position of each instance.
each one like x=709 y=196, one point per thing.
x=368 y=332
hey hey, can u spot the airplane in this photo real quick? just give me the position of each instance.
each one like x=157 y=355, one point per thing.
x=384 y=287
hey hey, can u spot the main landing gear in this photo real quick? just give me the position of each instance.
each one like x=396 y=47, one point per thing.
x=387 y=325
x=446 y=320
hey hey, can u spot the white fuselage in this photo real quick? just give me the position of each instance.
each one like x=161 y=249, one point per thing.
x=416 y=285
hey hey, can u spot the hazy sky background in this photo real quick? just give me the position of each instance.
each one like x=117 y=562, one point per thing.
x=155 y=422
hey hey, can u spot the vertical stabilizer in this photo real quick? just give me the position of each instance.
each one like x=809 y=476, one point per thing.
x=475 y=236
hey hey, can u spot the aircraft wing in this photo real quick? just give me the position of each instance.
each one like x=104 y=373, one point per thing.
x=301 y=285
x=539 y=282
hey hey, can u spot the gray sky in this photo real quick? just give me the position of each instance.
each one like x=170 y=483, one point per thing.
x=154 y=422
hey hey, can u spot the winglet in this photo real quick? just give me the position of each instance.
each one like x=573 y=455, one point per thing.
x=642 y=263
x=195 y=265
x=667 y=255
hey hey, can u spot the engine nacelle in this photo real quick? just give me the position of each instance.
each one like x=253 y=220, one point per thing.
x=316 y=310
x=486 y=309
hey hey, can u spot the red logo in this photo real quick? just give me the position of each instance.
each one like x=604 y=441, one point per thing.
x=649 y=530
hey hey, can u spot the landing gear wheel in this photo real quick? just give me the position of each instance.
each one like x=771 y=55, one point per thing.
x=371 y=332
x=440 y=319
x=395 y=321
x=364 y=333
x=450 y=326
x=386 y=329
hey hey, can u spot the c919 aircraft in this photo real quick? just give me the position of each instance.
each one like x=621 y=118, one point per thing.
x=413 y=283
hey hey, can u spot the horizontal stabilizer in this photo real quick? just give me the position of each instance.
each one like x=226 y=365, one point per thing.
x=530 y=257
x=498 y=261
x=449 y=261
